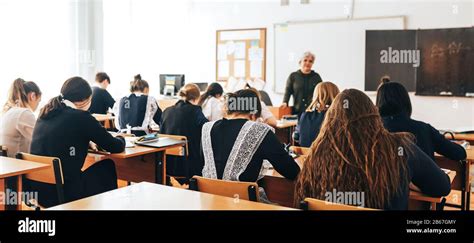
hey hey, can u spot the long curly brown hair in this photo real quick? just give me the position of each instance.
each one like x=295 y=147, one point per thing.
x=355 y=153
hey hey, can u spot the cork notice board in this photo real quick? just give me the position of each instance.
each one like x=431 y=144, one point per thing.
x=241 y=54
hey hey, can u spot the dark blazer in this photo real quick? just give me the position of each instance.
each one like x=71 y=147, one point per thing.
x=185 y=119
x=101 y=101
x=427 y=137
x=66 y=134
x=308 y=127
x=301 y=86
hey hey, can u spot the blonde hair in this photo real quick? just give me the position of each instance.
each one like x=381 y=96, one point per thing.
x=323 y=96
x=18 y=94
x=190 y=92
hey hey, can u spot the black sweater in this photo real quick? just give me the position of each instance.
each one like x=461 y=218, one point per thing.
x=223 y=136
x=185 y=119
x=66 y=135
x=425 y=174
x=101 y=101
x=301 y=86
x=427 y=137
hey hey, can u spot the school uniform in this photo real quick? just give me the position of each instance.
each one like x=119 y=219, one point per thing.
x=101 y=101
x=16 y=130
x=308 y=127
x=236 y=149
x=212 y=108
x=427 y=137
x=425 y=174
x=66 y=133
x=137 y=111
x=184 y=119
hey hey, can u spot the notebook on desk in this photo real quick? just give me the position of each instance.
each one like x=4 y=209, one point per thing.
x=161 y=142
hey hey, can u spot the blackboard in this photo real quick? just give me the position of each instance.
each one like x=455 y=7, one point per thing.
x=388 y=41
x=447 y=63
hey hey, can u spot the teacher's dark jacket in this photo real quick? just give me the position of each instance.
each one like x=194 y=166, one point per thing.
x=184 y=119
x=301 y=86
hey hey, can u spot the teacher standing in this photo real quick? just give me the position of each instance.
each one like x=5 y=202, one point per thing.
x=301 y=84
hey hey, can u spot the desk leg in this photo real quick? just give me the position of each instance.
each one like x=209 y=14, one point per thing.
x=7 y=187
x=160 y=167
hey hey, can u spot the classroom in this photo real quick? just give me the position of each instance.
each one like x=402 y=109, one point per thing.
x=205 y=105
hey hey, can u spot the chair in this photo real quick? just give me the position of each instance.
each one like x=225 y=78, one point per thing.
x=244 y=190
x=460 y=182
x=180 y=152
x=419 y=201
x=3 y=151
x=304 y=151
x=320 y=205
x=265 y=98
x=53 y=176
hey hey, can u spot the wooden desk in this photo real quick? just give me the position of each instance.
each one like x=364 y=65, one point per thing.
x=279 y=112
x=284 y=130
x=462 y=136
x=11 y=171
x=139 y=163
x=106 y=119
x=149 y=196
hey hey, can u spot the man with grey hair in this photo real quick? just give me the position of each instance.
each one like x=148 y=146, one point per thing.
x=301 y=84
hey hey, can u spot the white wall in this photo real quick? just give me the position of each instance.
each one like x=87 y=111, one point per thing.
x=209 y=16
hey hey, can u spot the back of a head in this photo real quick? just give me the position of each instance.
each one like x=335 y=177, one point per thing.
x=101 y=77
x=138 y=84
x=214 y=89
x=323 y=96
x=18 y=94
x=353 y=146
x=245 y=101
x=189 y=92
x=393 y=99
x=75 y=89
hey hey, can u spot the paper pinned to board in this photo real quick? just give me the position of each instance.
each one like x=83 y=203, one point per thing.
x=239 y=68
x=256 y=54
x=221 y=52
x=230 y=45
x=240 y=52
x=256 y=69
x=223 y=69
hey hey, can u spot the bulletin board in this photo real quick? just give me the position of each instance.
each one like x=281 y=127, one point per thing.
x=241 y=54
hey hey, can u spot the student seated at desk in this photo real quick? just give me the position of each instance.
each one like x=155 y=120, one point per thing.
x=395 y=108
x=101 y=98
x=65 y=129
x=211 y=102
x=138 y=111
x=355 y=153
x=266 y=116
x=185 y=118
x=235 y=147
x=18 y=121
x=310 y=121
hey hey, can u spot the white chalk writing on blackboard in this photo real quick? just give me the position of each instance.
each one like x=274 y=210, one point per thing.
x=452 y=49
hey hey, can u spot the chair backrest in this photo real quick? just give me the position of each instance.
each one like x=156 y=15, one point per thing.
x=179 y=151
x=53 y=176
x=244 y=190
x=461 y=180
x=320 y=205
x=3 y=150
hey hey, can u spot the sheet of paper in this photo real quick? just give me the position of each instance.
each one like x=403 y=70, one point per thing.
x=223 y=69
x=256 y=69
x=255 y=54
x=230 y=45
x=240 y=50
x=221 y=52
x=239 y=68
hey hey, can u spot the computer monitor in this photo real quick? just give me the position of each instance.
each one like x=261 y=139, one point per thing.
x=202 y=86
x=171 y=83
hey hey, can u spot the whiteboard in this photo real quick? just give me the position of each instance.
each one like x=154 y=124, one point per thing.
x=339 y=46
